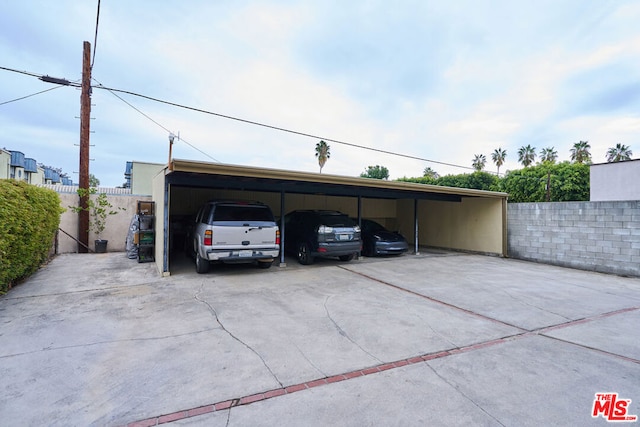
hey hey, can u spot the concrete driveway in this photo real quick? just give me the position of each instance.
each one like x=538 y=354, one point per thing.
x=434 y=339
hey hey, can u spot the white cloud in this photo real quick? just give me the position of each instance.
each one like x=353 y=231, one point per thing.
x=434 y=80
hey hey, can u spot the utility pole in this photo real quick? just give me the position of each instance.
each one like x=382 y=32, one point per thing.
x=85 y=118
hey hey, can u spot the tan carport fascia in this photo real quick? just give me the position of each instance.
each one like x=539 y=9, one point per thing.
x=178 y=165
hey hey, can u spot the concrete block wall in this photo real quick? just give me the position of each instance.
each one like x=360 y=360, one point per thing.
x=596 y=236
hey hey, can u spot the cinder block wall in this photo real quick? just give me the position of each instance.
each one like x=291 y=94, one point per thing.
x=596 y=236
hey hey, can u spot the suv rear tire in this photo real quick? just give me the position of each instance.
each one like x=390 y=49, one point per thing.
x=265 y=264
x=304 y=254
x=346 y=257
x=202 y=265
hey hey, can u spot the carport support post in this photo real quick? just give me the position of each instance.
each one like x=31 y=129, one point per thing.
x=282 y=263
x=415 y=227
x=360 y=221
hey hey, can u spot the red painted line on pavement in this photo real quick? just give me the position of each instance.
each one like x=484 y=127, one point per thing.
x=437 y=301
x=257 y=397
x=585 y=320
x=294 y=388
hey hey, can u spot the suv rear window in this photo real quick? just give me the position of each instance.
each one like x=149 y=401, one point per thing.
x=337 y=220
x=242 y=213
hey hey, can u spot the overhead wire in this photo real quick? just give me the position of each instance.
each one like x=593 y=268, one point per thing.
x=29 y=96
x=255 y=123
x=157 y=123
x=174 y=104
x=95 y=38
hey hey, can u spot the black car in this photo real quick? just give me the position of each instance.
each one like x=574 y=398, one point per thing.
x=321 y=233
x=377 y=240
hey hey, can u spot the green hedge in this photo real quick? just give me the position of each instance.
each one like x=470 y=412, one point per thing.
x=29 y=219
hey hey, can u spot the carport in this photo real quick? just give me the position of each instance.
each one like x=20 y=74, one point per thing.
x=427 y=215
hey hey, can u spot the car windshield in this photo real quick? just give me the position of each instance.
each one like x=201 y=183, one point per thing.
x=242 y=213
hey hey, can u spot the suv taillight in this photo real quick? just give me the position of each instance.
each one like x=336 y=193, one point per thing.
x=208 y=238
x=277 y=237
x=325 y=229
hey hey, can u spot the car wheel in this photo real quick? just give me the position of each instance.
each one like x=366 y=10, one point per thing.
x=265 y=264
x=346 y=257
x=202 y=265
x=304 y=254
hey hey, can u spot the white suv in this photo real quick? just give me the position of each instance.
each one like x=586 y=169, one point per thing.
x=234 y=232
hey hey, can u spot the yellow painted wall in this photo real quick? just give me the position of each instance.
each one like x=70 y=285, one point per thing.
x=475 y=224
x=142 y=175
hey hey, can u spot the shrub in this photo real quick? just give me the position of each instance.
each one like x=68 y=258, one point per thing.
x=477 y=180
x=29 y=219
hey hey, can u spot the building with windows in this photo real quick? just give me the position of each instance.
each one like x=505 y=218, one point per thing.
x=14 y=165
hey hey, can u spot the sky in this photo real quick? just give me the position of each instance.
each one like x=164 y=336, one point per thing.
x=438 y=81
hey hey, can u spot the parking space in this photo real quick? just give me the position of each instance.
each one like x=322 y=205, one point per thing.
x=440 y=338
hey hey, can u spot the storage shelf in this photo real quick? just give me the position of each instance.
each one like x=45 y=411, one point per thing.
x=146 y=235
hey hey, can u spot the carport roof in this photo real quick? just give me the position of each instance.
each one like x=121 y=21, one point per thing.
x=191 y=173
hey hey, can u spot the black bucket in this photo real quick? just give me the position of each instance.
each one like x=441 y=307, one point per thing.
x=101 y=246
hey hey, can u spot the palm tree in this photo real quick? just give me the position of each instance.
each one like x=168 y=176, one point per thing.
x=548 y=155
x=322 y=153
x=430 y=173
x=527 y=155
x=619 y=153
x=498 y=157
x=580 y=152
x=479 y=160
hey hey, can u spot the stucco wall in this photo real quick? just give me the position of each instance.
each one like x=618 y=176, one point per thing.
x=597 y=236
x=142 y=175
x=615 y=181
x=474 y=224
x=116 y=228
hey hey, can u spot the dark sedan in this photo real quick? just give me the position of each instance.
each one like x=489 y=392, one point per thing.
x=377 y=240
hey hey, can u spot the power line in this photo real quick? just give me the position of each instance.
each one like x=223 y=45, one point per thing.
x=29 y=96
x=282 y=129
x=95 y=39
x=158 y=124
x=308 y=135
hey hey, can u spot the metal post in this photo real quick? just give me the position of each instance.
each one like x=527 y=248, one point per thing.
x=415 y=227
x=360 y=222
x=282 y=237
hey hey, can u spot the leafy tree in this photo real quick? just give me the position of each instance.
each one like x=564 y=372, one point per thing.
x=498 y=156
x=527 y=155
x=377 y=172
x=548 y=155
x=479 y=161
x=322 y=153
x=619 y=153
x=580 y=152
x=567 y=182
x=430 y=173
x=93 y=181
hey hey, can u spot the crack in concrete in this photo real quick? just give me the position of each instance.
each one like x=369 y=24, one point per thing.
x=308 y=360
x=107 y=288
x=344 y=334
x=533 y=305
x=215 y=315
x=463 y=394
x=65 y=347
